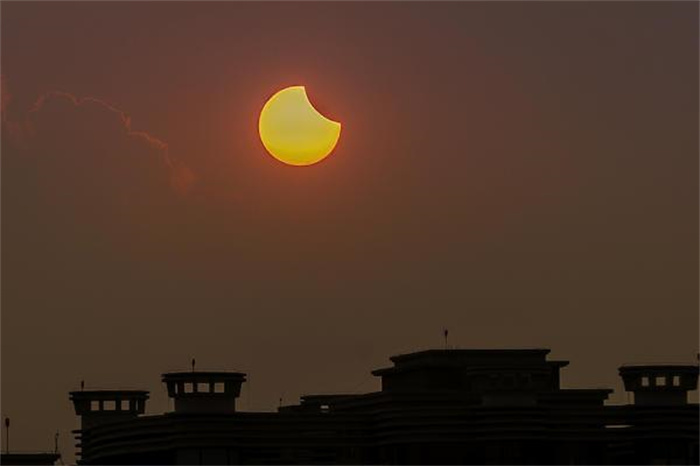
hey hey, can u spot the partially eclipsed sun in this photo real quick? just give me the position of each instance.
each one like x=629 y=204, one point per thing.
x=293 y=131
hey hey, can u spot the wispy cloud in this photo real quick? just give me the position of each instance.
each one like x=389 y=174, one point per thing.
x=182 y=178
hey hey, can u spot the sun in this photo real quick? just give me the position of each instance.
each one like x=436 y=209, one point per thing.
x=293 y=131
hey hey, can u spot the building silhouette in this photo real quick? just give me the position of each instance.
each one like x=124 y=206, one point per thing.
x=434 y=407
x=12 y=457
x=29 y=458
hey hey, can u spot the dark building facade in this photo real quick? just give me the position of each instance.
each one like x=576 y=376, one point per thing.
x=434 y=407
x=29 y=459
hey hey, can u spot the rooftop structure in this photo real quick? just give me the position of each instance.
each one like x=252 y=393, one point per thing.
x=660 y=384
x=204 y=392
x=29 y=458
x=105 y=406
x=434 y=407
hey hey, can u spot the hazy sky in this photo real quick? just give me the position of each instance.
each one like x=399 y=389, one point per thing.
x=524 y=174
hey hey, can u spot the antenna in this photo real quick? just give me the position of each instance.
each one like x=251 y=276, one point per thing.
x=82 y=385
x=7 y=435
x=55 y=443
x=193 y=362
x=445 y=333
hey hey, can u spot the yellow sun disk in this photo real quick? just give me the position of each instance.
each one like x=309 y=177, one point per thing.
x=293 y=131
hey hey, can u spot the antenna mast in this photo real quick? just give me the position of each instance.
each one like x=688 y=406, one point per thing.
x=7 y=435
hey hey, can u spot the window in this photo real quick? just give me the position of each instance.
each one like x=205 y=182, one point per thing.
x=325 y=408
x=676 y=380
x=110 y=405
x=188 y=387
x=94 y=405
x=660 y=381
x=509 y=381
x=645 y=381
x=525 y=380
x=219 y=387
x=125 y=405
x=203 y=387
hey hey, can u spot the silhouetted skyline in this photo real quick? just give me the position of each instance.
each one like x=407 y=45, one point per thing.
x=446 y=406
x=522 y=174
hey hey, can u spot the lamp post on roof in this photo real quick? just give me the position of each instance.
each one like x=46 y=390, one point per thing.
x=7 y=435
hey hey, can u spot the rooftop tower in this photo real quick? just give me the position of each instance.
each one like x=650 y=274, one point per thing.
x=660 y=384
x=204 y=392
x=104 y=406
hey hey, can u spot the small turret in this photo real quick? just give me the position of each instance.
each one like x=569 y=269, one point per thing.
x=104 y=406
x=204 y=392
x=660 y=384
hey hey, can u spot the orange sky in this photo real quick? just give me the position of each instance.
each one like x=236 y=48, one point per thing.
x=524 y=174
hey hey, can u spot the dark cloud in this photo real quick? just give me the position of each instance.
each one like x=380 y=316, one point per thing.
x=80 y=181
x=67 y=129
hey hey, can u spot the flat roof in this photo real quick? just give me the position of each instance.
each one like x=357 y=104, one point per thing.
x=108 y=394
x=692 y=368
x=475 y=358
x=203 y=375
x=454 y=353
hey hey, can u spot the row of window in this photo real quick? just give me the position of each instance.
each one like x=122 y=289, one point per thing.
x=661 y=381
x=199 y=387
x=109 y=405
